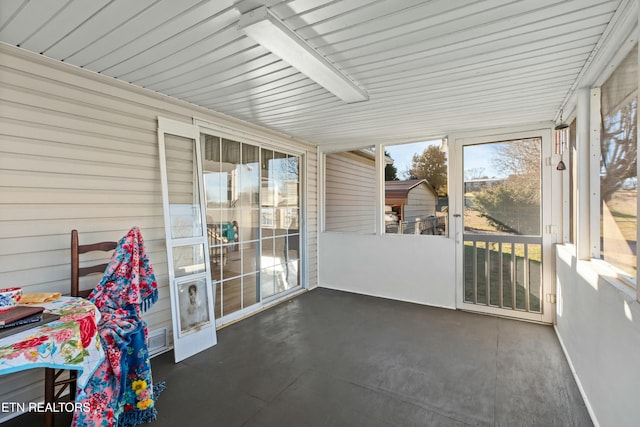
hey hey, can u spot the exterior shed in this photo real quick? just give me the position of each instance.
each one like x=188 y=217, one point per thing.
x=412 y=199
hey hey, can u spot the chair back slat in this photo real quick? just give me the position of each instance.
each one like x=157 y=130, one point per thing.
x=77 y=271
x=102 y=246
x=85 y=271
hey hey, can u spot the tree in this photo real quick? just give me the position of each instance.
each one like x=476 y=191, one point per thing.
x=513 y=205
x=619 y=158
x=474 y=173
x=432 y=166
x=390 y=171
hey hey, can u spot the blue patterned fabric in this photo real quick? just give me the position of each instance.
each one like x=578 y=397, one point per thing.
x=121 y=391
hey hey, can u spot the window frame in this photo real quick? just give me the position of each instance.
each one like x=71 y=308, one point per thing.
x=608 y=270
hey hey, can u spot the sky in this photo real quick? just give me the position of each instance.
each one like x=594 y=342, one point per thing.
x=475 y=156
x=403 y=154
x=481 y=156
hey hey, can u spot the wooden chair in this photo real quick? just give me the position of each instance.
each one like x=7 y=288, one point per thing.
x=54 y=385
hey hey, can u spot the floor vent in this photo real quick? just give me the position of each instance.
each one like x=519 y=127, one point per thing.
x=158 y=341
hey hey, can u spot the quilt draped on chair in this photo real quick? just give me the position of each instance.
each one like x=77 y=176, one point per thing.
x=121 y=391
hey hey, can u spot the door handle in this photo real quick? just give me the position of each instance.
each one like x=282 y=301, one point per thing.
x=457 y=215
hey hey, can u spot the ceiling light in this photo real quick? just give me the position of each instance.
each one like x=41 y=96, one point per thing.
x=269 y=31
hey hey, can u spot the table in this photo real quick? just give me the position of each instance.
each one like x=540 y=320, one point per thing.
x=71 y=342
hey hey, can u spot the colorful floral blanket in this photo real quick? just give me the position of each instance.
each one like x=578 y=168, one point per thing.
x=121 y=391
x=70 y=342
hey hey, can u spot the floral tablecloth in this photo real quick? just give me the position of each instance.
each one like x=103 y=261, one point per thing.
x=70 y=342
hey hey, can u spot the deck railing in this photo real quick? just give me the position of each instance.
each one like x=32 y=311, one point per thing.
x=503 y=271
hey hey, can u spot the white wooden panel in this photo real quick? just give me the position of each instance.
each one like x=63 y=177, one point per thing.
x=200 y=32
x=304 y=92
x=259 y=86
x=416 y=59
x=434 y=14
x=59 y=25
x=319 y=14
x=28 y=20
x=346 y=260
x=9 y=8
x=191 y=58
x=203 y=79
x=449 y=22
x=97 y=26
x=468 y=46
x=130 y=30
x=291 y=85
x=173 y=24
x=354 y=15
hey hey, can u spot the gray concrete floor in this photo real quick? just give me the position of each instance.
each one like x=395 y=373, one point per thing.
x=331 y=358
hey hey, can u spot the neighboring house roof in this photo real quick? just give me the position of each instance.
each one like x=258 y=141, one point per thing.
x=397 y=192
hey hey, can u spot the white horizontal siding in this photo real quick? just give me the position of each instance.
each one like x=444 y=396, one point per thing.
x=420 y=202
x=350 y=193
x=79 y=150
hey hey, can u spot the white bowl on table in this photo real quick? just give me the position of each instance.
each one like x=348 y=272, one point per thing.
x=9 y=298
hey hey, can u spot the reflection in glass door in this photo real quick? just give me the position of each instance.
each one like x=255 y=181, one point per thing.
x=279 y=222
x=231 y=178
x=252 y=222
x=502 y=251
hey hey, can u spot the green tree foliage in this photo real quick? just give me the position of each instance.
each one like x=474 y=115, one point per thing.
x=513 y=205
x=432 y=166
x=390 y=171
x=509 y=210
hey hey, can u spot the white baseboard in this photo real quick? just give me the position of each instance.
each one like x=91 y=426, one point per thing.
x=575 y=376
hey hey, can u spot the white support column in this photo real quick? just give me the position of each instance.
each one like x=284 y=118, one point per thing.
x=594 y=176
x=583 y=127
x=380 y=189
x=637 y=173
x=321 y=176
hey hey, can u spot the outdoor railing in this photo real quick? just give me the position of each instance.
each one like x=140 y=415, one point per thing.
x=420 y=225
x=503 y=271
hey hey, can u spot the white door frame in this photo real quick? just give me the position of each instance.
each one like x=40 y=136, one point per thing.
x=549 y=231
x=204 y=336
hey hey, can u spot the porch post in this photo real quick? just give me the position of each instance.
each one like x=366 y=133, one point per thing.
x=380 y=189
x=583 y=115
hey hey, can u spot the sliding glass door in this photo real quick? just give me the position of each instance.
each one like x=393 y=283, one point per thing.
x=252 y=208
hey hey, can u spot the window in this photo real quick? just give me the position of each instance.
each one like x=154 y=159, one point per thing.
x=618 y=167
x=416 y=199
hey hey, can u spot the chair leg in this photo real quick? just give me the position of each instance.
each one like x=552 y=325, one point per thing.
x=49 y=395
x=72 y=385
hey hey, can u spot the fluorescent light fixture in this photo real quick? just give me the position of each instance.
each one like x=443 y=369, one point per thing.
x=269 y=31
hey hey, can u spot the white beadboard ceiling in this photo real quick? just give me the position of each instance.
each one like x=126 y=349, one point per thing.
x=429 y=67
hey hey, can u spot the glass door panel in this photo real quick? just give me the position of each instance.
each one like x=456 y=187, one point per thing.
x=232 y=188
x=502 y=252
x=252 y=199
x=189 y=260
